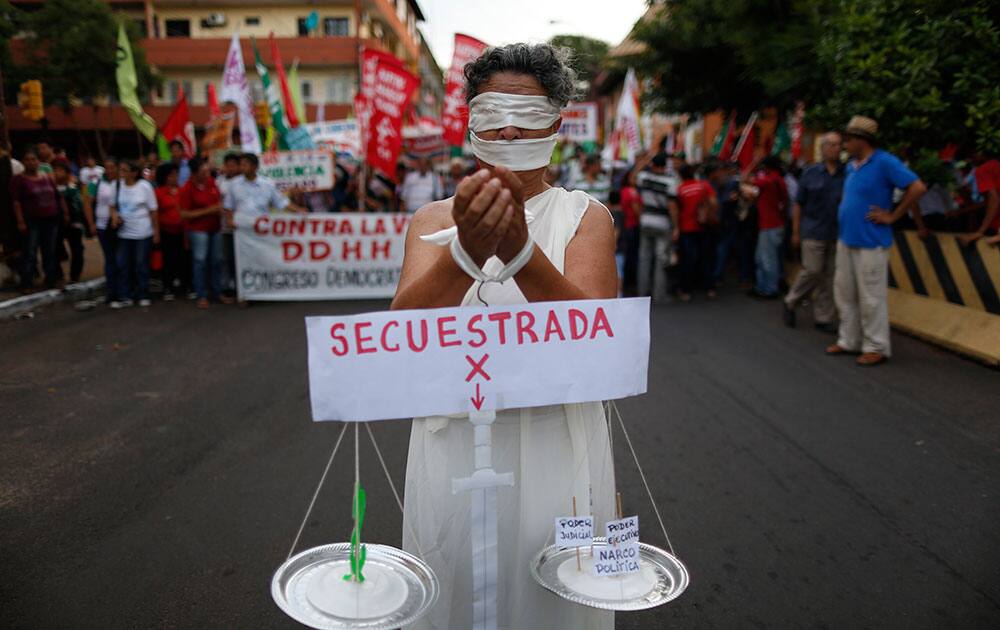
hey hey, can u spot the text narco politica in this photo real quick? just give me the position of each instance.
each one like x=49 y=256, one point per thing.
x=504 y=328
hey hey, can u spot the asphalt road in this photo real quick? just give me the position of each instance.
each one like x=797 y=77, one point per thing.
x=154 y=467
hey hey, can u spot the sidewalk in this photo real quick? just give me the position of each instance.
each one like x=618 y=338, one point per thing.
x=12 y=303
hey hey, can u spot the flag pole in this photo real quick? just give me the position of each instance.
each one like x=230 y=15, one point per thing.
x=362 y=163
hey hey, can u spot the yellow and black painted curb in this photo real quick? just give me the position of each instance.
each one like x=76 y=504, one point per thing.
x=947 y=293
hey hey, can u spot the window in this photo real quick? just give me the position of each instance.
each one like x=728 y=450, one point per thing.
x=252 y=20
x=177 y=28
x=340 y=89
x=336 y=27
x=306 y=88
x=303 y=29
x=175 y=91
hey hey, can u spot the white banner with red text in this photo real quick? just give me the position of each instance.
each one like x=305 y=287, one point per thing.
x=319 y=256
x=401 y=364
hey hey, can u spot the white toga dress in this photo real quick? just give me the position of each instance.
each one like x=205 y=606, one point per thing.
x=555 y=453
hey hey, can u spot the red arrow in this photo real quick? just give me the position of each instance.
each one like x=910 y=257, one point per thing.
x=478 y=400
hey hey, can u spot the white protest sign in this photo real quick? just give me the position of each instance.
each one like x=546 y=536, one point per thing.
x=319 y=256
x=579 y=122
x=621 y=555
x=610 y=561
x=403 y=364
x=307 y=170
x=574 y=531
x=343 y=136
x=623 y=532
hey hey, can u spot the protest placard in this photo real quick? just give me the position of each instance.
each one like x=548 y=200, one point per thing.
x=574 y=531
x=340 y=136
x=621 y=555
x=319 y=256
x=307 y=170
x=454 y=360
x=579 y=122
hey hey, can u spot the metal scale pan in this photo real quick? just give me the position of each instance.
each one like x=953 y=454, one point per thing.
x=660 y=579
x=310 y=588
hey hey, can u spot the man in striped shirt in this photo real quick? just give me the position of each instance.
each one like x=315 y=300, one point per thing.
x=593 y=181
x=658 y=190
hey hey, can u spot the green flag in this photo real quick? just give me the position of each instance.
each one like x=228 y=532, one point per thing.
x=782 y=141
x=719 y=139
x=278 y=120
x=127 y=83
x=295 y=88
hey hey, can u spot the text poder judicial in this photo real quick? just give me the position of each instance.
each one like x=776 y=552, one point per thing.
x=416 y=334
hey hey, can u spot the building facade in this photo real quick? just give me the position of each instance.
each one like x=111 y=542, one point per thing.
x=186 y=41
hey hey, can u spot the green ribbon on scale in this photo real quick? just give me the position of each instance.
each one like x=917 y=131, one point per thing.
x=358 y=551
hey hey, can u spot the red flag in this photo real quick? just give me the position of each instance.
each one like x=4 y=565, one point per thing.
x=286 y=94
x=725 y=153
x=800 y=111
x=455 y=116
x=745 y=156
x=179 y=126
x=213 y=101
x=391 y=92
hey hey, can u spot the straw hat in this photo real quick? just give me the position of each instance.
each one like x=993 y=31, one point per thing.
x=862 y=127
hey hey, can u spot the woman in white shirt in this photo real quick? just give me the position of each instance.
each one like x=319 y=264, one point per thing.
x=103 y=194
x=133 y=212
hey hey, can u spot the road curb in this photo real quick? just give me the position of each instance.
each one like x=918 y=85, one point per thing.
x=964 y=330
x=13 y=307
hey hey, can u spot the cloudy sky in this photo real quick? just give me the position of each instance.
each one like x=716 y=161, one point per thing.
x=507 y=21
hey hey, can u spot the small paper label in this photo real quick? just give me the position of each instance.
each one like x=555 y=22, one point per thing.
x=610 y=561
x=574 y=531
x=623 y=532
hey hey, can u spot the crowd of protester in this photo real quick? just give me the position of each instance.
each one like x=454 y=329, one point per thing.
x=682 y=227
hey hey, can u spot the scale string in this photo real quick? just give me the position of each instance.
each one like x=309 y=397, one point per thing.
x=319 y=487
x=399 y=502
x=645 y=483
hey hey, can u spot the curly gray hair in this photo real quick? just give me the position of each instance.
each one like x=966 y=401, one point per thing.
x=546 y=63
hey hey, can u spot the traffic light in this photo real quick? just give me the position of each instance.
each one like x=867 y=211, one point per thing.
x=30 y=100
x=263 y=114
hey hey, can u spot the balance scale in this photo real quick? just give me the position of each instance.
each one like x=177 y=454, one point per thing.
x=350 y=585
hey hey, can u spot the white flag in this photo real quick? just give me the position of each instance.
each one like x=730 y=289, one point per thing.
x=236 y=89
x=627 y=142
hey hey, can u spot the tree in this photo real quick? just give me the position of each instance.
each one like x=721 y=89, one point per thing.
x=586 y=54
x=927 y=70
x=733 y=54
x=70 y=46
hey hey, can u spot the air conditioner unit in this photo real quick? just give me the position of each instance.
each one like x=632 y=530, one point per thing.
x=214 y=20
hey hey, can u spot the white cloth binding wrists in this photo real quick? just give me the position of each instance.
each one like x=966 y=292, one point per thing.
x=464 y=261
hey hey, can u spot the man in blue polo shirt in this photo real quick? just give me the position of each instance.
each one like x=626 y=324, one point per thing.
x=860 y=285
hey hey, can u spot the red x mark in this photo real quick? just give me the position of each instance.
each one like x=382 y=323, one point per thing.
x=477 y=367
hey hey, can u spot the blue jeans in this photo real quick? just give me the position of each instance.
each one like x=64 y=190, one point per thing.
x=109 y=246
x=133 y=260
x=769 y=259
x=42 y=233
x=206 y=255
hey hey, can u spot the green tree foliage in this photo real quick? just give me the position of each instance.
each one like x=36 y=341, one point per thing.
x=587 y=54
x=733 y=54
x=70 y=46
x=927 y=70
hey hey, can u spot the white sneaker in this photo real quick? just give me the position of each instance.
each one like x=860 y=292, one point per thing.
x=191 y=295
x=145 y=302
x=168 y=297
x=115 y=304
x=127 y=303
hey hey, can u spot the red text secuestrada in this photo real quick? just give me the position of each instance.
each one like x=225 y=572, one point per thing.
x=503 y=327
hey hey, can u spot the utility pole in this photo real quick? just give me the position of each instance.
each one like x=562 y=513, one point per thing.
x=360 y=173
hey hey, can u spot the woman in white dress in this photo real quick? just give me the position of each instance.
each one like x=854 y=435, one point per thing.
x=561 y=245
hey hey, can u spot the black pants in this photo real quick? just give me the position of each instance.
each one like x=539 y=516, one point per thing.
x=42 y=235
x=73 y=235
x=175 y=262
x=697 y=252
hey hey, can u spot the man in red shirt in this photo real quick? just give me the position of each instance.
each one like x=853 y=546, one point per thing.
x=697 y=208
x=772 y=200
x=988 y=182
x=201 y=208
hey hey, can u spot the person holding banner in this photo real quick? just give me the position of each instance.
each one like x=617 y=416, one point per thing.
x=507 y=237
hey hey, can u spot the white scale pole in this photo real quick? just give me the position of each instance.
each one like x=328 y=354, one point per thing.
x=483 y=484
